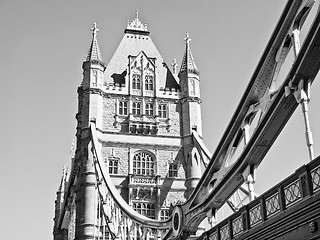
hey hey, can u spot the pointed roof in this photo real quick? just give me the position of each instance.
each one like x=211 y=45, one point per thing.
x=133 y=43
x=136 y=26
x=94 y=51
x=188 y=65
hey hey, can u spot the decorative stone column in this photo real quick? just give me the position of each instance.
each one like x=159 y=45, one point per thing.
x=86 y=196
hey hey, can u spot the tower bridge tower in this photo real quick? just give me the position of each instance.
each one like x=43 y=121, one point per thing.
x=148 y=121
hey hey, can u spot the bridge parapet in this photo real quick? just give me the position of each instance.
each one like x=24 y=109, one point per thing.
x=278 y=204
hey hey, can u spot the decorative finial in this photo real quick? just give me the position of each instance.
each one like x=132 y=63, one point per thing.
x=174 y=66
x=136 y=24
x=187 y=39
x=94 y=29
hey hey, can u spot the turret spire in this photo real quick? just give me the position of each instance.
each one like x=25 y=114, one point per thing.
x=94 y=51
x=188 y=65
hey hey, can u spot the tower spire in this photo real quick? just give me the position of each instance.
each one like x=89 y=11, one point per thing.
x=94 y=50
x=188 y=65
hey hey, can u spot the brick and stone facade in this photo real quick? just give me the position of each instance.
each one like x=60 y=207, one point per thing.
x=146 y=116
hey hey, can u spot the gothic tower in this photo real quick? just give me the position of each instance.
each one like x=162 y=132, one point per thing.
x=191 y=116
x=148 y=123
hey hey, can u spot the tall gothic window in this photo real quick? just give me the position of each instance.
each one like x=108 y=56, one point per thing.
x=173 y=170
x=149 y=82
x=123 y=108
x=193 y=87
x=162 y=110
x=143 y=164
x=136 y=81
x=113 y=165
x=146 y=209
x=149 y=109
x=136 y=106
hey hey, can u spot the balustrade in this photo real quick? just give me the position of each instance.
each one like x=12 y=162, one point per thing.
x=282 y=197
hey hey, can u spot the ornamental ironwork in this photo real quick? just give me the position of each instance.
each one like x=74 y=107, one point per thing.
x=315 y=175
x=272 y=204
x=292 y=193
x=237 y=226
x=255 y=215
x=224 y=232
x=213 y=236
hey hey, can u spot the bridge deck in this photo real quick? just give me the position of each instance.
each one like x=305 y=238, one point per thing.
x=289 y=210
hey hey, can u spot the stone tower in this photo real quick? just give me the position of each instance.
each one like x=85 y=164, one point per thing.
x=148 y=120
x=190 y=115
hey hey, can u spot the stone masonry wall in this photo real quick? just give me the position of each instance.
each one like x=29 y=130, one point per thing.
x=172 y=189
x=169 y=126
x=109 y=112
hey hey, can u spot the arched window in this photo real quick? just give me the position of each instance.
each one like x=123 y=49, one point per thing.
x=149 y=82
x=143 y=164
x=123 y=108
x=136 y=81
x=136 y=108
x=149 y=109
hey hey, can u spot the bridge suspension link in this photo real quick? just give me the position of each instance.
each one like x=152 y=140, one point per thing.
x=301 y=92
x=115 y=219
x=249 y=179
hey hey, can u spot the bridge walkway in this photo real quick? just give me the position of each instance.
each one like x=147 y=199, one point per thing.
x=289 y=210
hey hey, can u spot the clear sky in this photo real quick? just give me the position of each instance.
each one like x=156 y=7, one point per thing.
x=42 y=46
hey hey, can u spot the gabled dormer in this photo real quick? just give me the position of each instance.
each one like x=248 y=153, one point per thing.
x=142 y=75
x=137 y=45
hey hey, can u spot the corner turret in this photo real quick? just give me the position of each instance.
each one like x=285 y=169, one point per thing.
x=90 y=100
x=93 y=66
x=190 y=89
x=191 y=115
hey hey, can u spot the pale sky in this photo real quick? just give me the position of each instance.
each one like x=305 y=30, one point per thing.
x=43 y=44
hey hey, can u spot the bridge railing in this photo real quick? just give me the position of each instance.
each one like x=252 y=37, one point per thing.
x=305 y=182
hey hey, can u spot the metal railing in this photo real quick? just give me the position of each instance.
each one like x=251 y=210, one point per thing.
x=301 y=185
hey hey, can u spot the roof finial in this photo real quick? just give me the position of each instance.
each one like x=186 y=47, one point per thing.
x=137 y=25
x=174 y=66
x=188 y=65
x=187 y=39
x=94 y=29
x=94 y=51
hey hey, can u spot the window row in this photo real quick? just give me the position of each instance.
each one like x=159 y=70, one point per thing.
x=148 y=82
x=136 y=109
x=146 y=209
x=143 y=164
